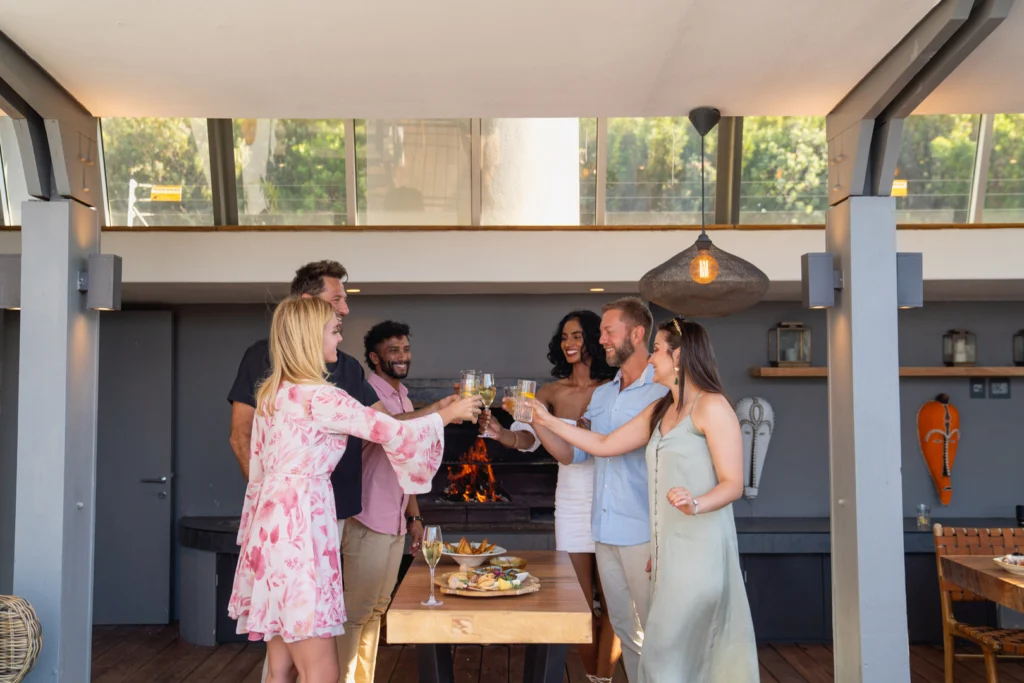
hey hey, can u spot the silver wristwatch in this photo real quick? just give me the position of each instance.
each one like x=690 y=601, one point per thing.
x=696 y=506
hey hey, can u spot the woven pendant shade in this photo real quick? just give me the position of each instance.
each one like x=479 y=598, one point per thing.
x=738 y=286
x=704 y=281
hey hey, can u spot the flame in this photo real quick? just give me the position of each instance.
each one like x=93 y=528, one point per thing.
x=474 y=479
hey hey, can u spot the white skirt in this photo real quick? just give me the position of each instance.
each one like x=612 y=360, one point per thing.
x=574 y=495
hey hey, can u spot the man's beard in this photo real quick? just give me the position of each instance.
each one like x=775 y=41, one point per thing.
x=388 y=369
x=621 y=354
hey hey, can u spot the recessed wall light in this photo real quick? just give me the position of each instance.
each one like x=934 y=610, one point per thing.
x=597 y=289
x=353 y=291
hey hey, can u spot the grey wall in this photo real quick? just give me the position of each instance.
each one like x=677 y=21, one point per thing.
x=9 y=330
x=990 y=459
x=508 y=335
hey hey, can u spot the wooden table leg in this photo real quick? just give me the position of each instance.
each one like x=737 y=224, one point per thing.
x=545 y=663
x=434 y=663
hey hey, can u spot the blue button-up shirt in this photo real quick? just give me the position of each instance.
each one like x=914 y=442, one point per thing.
x=621 y=512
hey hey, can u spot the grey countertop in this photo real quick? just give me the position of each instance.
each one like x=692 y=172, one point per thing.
x=769 y=535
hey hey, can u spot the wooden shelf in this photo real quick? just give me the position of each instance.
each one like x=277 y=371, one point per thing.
x=910 y=371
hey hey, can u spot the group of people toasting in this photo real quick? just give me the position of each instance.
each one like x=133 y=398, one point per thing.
x=650 y=457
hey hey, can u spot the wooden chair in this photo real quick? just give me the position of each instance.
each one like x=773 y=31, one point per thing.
x=993 y=642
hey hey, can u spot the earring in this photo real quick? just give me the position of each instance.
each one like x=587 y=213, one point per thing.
x=677 y=377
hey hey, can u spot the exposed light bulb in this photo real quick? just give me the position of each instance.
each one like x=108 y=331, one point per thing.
x=703 y=267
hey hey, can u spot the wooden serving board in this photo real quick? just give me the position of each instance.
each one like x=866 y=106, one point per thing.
x=530 y=585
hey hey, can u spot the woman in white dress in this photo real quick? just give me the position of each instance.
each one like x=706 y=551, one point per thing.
x=699 y=626
x=579 y=366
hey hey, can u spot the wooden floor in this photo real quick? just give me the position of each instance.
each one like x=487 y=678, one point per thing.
x=155 y=654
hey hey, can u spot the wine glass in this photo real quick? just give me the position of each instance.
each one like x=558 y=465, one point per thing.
x=432 y=547
x=488 y=391
x=470 y=383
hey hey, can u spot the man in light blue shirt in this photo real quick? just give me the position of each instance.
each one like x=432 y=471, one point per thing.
x=620 y=514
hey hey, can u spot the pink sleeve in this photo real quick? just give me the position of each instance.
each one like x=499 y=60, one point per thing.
x=414 y=447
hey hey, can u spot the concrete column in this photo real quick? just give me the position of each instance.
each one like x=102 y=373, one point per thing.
x=531 y=172
x=58 y=367
x=868 y=584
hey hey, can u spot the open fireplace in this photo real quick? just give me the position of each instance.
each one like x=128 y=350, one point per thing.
x=482 y=482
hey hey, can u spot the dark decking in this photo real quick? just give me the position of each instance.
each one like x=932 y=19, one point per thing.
x=155 y=654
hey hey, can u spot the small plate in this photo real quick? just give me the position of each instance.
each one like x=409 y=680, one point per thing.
x=508 y=562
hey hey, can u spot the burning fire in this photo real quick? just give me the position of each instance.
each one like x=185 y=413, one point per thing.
x=474 y=479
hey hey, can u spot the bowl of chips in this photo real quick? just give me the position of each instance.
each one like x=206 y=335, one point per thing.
x=467 y=553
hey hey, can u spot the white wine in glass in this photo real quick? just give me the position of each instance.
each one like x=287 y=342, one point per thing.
x=432 y=548
x=488 y=392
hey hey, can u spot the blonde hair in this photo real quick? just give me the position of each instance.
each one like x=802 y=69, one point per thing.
x=296 y=347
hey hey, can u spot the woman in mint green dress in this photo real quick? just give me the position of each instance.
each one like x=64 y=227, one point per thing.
x=699 y=628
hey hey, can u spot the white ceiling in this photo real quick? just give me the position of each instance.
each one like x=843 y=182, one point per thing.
x=409 y=58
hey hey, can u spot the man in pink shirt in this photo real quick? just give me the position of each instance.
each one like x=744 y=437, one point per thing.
x=373 y=541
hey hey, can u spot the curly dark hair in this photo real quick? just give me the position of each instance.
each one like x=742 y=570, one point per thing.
x=591 y=324
x=309 y=279
x=379 y=333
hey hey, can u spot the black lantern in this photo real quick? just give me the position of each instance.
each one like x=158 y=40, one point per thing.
x=1018 y=348
x=789 y=346
x=959 y=348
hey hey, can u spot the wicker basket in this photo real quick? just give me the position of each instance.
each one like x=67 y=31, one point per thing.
x=21 y=638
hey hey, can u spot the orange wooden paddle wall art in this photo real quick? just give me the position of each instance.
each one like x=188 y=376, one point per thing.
x=938 y=432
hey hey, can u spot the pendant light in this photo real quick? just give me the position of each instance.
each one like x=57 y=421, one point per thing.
x=704 y=281
x=703 y=266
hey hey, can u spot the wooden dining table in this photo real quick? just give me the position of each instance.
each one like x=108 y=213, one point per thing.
x=981 y=576
x=547 y=621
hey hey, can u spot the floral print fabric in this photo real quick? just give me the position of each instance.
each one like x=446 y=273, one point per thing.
x=288 y=577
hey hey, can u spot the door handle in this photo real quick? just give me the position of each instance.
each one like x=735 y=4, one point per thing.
x=160 y=480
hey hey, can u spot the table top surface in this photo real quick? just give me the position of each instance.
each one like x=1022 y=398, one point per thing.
x=984 y=564
x=557 y=613
x=980 y=575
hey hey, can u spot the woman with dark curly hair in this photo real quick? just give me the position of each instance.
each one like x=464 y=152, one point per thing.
x=579 y=366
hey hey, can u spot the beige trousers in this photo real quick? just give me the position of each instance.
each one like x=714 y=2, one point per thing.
x=370 y=572
x=627 y=596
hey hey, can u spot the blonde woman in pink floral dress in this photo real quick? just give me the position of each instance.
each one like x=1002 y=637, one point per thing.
x=287 y=588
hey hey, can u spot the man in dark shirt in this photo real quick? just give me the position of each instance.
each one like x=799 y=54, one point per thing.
x=325 y=279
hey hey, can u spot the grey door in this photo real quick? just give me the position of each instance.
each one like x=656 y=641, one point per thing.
x=132 y=578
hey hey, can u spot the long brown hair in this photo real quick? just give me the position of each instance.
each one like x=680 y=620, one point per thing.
x=696 y=361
